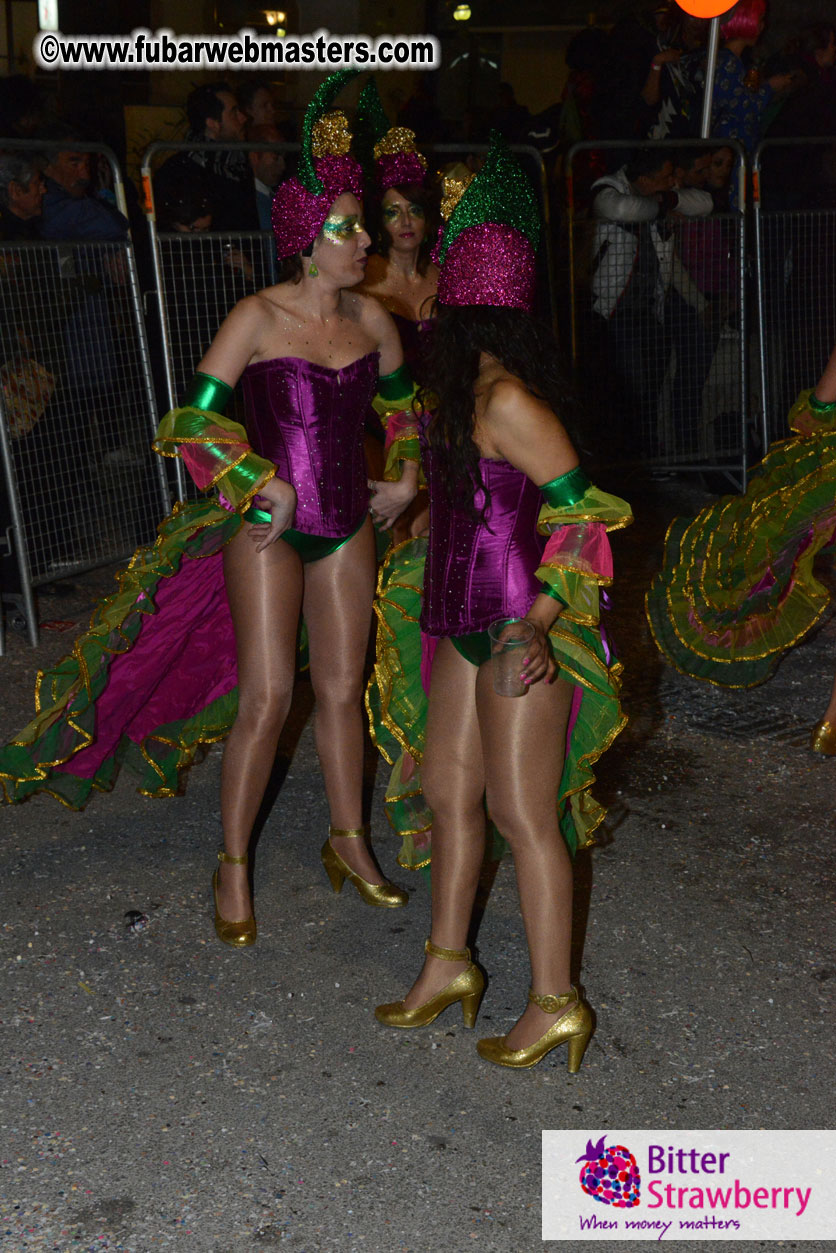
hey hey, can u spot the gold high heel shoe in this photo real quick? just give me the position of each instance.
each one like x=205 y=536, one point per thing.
x=575 y=1027
x=467 y=987
x=237 y=934
x=823 y=739
x=384 y=894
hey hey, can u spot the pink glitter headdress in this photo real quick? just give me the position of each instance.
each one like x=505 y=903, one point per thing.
x=326 y=170
x=488 y=247
x=396 y=158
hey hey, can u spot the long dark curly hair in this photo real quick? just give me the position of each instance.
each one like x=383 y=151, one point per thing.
x=523 y=345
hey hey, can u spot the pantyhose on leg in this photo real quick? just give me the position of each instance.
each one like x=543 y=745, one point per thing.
x=265 y=598
x=522 y=745
x=338 y=612
x=454 y=784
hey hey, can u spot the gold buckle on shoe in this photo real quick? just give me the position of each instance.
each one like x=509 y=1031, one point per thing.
x=551 y=1004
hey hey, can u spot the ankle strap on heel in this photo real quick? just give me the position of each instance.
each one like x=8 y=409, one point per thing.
x=233 y=861
x=551 y=1004
x=446 y=954
x=351 y=833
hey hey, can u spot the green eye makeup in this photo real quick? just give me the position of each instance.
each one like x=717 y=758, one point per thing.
x=340 y=229
x=392 y=212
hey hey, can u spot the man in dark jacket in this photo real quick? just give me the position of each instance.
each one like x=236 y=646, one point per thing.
x=215 y=117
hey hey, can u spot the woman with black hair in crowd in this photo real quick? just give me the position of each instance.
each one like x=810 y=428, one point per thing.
x=502 y=475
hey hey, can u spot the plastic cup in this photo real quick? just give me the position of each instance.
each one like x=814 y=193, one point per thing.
x=510 y=638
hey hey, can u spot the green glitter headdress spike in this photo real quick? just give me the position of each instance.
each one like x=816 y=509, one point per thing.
x=371 y=125
x=499 y=193
x=371 y=115
x=322 y=100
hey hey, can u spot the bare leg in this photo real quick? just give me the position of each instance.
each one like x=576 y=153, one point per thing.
x=522 y=744
x=454 y=785
x=338 y=597
x=265 y=596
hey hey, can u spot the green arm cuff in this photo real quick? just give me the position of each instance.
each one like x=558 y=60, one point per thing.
x=548 y=590
x=397 y=385
x=397 y=454
x=566 y=489
x=207 y=392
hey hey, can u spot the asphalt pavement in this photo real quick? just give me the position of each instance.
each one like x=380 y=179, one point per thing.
x=161 y=1091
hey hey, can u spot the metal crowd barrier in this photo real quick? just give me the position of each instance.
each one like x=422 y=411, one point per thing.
x=200 y=275
x=658 y=323
x=795 y=233
x=77 y=406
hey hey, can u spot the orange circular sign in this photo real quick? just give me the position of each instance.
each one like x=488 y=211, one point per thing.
x=706 y=8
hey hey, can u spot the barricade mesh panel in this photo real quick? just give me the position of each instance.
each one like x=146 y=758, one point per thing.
x=658 y=338
x=202 y=277
x=76 y=404
x=797 y=270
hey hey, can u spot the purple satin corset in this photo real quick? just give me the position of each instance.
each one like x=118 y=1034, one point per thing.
x=308 y=419
x=413 y=341
x=477 y=571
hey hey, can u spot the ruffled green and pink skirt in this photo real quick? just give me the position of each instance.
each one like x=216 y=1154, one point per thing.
x=152 y=679
x=737 y=588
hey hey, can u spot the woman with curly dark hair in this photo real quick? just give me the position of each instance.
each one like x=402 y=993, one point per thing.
x=502 y=474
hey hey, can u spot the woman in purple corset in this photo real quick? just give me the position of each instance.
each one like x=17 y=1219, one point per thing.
x=502 y=475
x=288 y=534
x=308 y=353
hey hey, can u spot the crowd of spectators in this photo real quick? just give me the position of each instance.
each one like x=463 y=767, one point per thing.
x=663 y=281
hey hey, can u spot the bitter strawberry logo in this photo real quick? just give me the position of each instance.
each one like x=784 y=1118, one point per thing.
x=610 y=1174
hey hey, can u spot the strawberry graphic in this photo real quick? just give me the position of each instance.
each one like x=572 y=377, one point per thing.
x=610 y=1174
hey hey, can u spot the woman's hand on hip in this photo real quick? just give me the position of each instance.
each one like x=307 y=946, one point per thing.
x=282 y=499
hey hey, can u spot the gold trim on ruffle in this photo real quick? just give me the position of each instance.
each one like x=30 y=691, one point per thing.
x=603 y=580
x=96 y=633
x=549 y=527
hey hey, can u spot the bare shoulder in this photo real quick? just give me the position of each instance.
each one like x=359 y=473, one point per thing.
x=523 y=427
x=239 y=340
x=253 y=313
x=508 y=402
x=367 y=310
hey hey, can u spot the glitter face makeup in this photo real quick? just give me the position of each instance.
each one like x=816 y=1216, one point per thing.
x=391 y=212
x=340 y=228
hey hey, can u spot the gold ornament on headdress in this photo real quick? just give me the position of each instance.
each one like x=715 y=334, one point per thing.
x=453 y=187
x=330 y=136
x=396 y=140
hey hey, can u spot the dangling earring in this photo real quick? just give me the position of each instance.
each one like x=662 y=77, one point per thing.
x=312 y=270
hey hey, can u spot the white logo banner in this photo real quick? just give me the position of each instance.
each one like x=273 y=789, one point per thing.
x=688 y=1185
